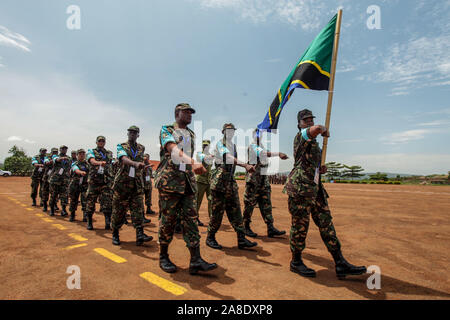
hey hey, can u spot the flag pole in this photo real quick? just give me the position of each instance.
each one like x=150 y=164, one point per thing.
x=331 y=86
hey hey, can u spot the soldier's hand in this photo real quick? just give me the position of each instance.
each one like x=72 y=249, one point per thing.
x=283 y=156
x=198 y=168
x=325 y=132
x=323 y=169
x=83 y=173
x=138 y=165
x=102 y=163
x=249 y=168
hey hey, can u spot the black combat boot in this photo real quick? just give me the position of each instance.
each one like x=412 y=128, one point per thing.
x=243 y=242
x=63 y=211
x=52 y=210
x=150 y=211
x=107 y=221
x=248 y=231
x=56 y=207
x=147 y=220
x=200 y=224
x=34 y=202
x=164 y=262
x=197 y=263
x=115 y=237
x=45 y=207
x=178 y=228
x=125 y=220
x=141 y=237
x=89 y=222
x=212 y=242
x=299 y=267
x=84 y=216
x=343 y=268
x=72 y=216
x=41 y=203
x=272 y=231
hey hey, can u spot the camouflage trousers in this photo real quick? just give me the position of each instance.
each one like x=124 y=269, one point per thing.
x=36 y=183
x=58 y=190
x=104 y=193
x=203 y=188
x=148 y=197
x=253 y=195
x=124 y=199
x=182 y=206
x=45 y=190
x=76 y=192
x=225 y=201
x=300 y=209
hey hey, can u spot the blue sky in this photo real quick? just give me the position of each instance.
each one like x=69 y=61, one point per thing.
x=133 y=61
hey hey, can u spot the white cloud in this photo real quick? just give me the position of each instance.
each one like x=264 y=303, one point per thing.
x=14 y=138
x=435 y=123
x=12 y=39
x=405 y=136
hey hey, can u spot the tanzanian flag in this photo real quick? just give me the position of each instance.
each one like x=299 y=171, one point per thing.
x=311 y=72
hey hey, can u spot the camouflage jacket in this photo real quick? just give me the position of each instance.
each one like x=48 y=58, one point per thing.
x=147 y=175
x=307 y=156
x=171 y=175
x=203 y=178
x=48 y=168
x=60 y=171
x=76 y=178
x=223 y=174
x=95 y=174
x=128 y=177
x=259 y=177
x=38 y=172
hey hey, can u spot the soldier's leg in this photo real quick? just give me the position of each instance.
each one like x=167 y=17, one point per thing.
x=201 y=189
x=53 y=198
x=322 y=218
x=265 y=207
x=208 y=197
x=34 y=187
x=137 y=208
x=250 y=197
x=217 y=209
x=92 y=195
x=106 y=197
x=168 y=206
x=150 y=196
x=74 y=193
x=119 y=208
x=233 y=209
x=45 y=194
x=41 y=185
x=189 y=216
x=63 y=193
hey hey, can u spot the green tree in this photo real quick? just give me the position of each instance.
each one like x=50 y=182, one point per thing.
x=352 y=171
x=333 y=170
x=18 y=163
x=379 y=176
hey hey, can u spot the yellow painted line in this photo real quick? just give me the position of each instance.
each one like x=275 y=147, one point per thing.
x=59 y=226
x=163 y=283
x=110 y=255
x=77 y=237
x=23 y=205
x=29 y=209
x=75 y=246
x=47 y=219
x=40 y=214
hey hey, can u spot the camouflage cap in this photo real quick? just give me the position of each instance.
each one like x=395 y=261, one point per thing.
x=63 y=147
x=228 y=126
x=42 y=149
x=100 y=138
x=206 y=142
x=73 y=151
x=134 y=128
x=81 y=151
x=184 y=106
x=54 y=150
x=304 y=114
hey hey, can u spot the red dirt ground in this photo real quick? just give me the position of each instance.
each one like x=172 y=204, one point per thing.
x=405 y=230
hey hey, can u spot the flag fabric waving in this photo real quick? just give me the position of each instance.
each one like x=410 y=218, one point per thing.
x=311 y=72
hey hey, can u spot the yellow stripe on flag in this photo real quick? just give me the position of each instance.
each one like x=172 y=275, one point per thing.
x=163 y=283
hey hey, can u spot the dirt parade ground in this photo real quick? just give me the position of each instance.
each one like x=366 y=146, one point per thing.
x=404 y=230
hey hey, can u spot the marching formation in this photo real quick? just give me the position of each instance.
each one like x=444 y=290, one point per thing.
x=183 y=177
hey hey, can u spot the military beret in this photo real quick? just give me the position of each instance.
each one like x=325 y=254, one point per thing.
x=303 y=114
x=133 y=128
x=54 y=150
x=228 y=126
x=100 y=138
x=81 y=151
x=184 y=106
x=63 y=147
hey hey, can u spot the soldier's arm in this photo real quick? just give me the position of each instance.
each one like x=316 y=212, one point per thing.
x=90 y=157
x=35 y=163
x=122 y=156
x=314 y=131
x=197 y=167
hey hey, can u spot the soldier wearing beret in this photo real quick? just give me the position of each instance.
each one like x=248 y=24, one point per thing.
x=224 y=190
x=128 y=187
x=175 y=181
x=59 y=180
x=48 y=168
x=100 y=181
x=307 y=196
x=78 y=184
x=36 y=177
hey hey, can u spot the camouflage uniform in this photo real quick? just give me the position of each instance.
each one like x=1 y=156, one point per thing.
x=100 y=183
x=177 y=188
x=147 y=175
x=257 y=186
x=37 y=176
x=59 y=180
x=203 y=183
x=48 y=169
x=307 y=195
x=128 y=187
x=78 y=186
x=224 y=190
